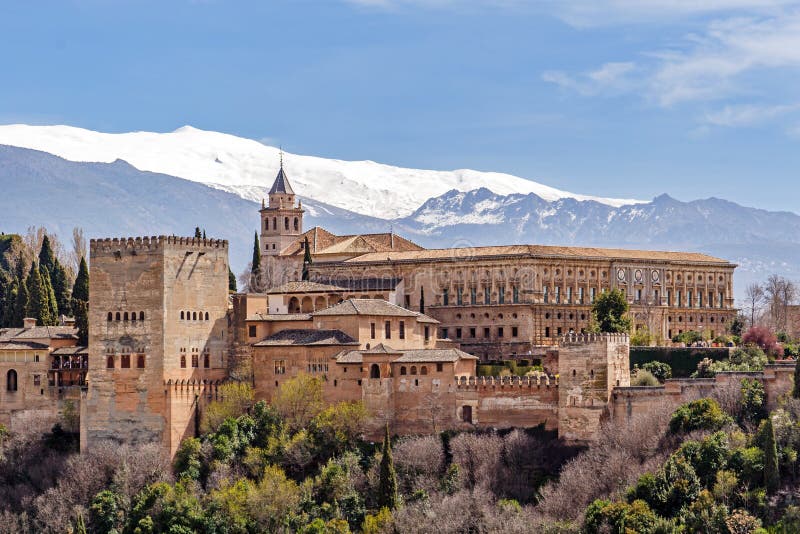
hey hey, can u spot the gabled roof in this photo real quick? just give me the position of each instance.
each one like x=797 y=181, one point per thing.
x=304 y=286
x=408 y=356
x=39 y=332
x=307 y=337
x=22 y=345
x=380 y=348
x=372 y=307
x=279 y=317
x=281 y=186
x=71 y=351
x=322 y=242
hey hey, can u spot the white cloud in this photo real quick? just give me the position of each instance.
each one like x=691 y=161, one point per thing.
x=610 y=77
x=748 y=115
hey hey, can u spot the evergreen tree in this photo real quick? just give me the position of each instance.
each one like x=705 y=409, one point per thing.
x=60 y=282
x=422 y=300
x=796 y=387
x=204 y=233
x=52 y=305
x=197 y=233
x=255 y=270
x=21 y=303
x=306 y=260
x=80 y=291
x=231 y=280
x=387 y=483
x=46 y=256
x=772 y=477
x=38 y=299
x=609 y=312
x=81 y=311
x=5 y=286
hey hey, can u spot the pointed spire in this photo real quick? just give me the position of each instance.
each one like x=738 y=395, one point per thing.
x=281 y=185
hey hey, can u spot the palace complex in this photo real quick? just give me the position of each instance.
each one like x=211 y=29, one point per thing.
x=377 y=317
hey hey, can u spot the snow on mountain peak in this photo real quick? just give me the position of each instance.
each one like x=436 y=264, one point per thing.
x=247 y=167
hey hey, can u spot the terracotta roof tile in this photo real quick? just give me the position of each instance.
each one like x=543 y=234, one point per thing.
x=304 y=287
x=70 y=351
x=372 y=307
x=307 y=337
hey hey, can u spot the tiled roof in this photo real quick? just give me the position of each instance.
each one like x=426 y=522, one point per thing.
x=349 y=356
x=365 y=284
x=279 y=317
x=465 y=254
x=372 y=307
x=281 y=184
x=71 y=351
x=307 y=337
x=304 y=287
x=380 y=348
x=40 y=332
x=408 y=356
x=322 y=242
x=22 y=345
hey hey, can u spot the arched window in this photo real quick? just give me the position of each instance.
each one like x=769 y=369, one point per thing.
x=110 y=362
x=403 y=370
x=181 y=316
x=140 y=361
x=286 y=223
x=195 y=360
x=118 y=316
x=183 y=361
x=125 y=316
x=296 y=224
x=133 y=316
x=194 y=316
x=274 y=223
x=11 y=380
x=141 y=316
x=206 y=360
x=374 y=371
x=423 y=370
x=413 y=369
x=206 y=316
x=125 y=362
x=110 y=316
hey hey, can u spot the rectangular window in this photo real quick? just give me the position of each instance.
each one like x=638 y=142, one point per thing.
x=487 y=295
x=721 y=299
x=558 y=294
x=559 y=331
x=656 y=300
x=372 y=330
x=515 y=294
x=472 y=332
x=487 y=333
x=408 y=302
x=678 y=294
x=140 y=361
x=710 y=299
x=546 y=294
x=546 y=331
x=459 y=297
x=569 y=295
x=699 y=299
x=594 y=294
x=427 y=333
x=473 y=295
x=443 y=333
x=125 y=361
x=388 y=330
x=439 y=367
x=37 y=380
x=580 y=295
x=195 y=360
x=689 y=297
x=458 y=333
x=446 y=297
x=514 y=331
x=402 y=332
x=251 y=330
x=35 y=357
x=638 y=295
x=280 y=367
x=501 y=294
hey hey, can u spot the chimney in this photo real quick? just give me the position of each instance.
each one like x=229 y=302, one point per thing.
x=29 y=322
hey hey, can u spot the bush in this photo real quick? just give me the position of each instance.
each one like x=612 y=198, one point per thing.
x=703 y=414
x=688 y=337
x=662 y=371
x=763 y=338
x=644 y=378
x=753 y=403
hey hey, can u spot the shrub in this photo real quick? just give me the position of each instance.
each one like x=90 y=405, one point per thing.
x=662 y=371
x=702 y=414
x=644 y=378
x=753 y=403
x=763 y=338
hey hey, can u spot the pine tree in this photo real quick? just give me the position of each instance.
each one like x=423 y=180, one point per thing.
x=387 y=483
x=58 y=277
x=422 y=300
x=21 y=303
x=231 y=280
x=255 y=270
x=772 y=477
x=306 y=261
x=38 y=299
x=46 y=256
x=80 y=291
x=52 y=305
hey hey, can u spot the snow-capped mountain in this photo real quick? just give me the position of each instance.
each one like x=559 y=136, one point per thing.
x=245 y=167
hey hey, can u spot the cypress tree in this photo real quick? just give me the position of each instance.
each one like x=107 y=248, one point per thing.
x=387 y=484
x=796 y=388
x=11 y=301
x=21 y=303
x=204 y=233
x=47 y=287
x=231 y=280
x=255 y=270
x=772 y=477
x=58 y=278
x=422 y=300
x=38 y=299
x=197 y=233
x=5 y=284
x=306 y=260
x=46 y=256
x=80 y=291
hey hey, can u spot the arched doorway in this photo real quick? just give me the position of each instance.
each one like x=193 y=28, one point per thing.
x=307 y=305
x=11 y=380
x=374 y=371
x=294 y=305
x=320 y=303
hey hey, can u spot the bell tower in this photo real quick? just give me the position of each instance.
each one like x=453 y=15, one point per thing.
x=281 y=220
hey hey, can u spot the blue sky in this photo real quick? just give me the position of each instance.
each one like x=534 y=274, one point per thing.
x=625 y=98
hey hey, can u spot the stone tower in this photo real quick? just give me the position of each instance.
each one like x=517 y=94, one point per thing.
x=281 y=220
x=590 y=366
x=157 y=347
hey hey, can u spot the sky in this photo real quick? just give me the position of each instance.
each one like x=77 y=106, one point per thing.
x=615 y=98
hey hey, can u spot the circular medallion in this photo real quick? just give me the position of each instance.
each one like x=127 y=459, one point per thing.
x=654 y=276
x=637 y=275
x=621 y=275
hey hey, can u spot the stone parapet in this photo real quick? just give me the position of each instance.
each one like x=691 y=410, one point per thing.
x=478 y=382
x=111 y=246
x=589 y=338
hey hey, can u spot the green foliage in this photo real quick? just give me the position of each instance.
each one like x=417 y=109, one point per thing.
x=662 y=371
x=387 y=484
x=105 y=512
x=796 y=386
x=80 y=290
x=306 y=259
x=705 y=515
x=378 y=523
x=337 y=428
x=609 y=311
x=235 y=399
x=737 y=326
x=644 y=378
x=682 y=360
x=299 y=399
x=753 y=401
x=255 y=266
x=707 y=457
x=689 y=337
x=188 y=460
x=231 y=280
x=744 y=359
x=642 y=338
x=46 y=257
x=39 y=299
x=604 y=516
x=748 y=463
x=702 y=414
x=80 y=308
x=675 y=485
x=61 y=289
x=771 y=473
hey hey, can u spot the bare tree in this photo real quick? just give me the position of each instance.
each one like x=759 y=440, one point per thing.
x=432 y=409
x=780 y=294
x=78 y=246
x=755 y=300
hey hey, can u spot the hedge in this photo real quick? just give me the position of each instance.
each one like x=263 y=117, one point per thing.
x=682 y=360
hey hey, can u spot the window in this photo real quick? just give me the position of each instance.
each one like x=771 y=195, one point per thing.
x=110 y=316
x=423 y=370
x=402 y=333
x=37 y=380
x=593 y=294
x=195 y=360
x=443 y=333
x=638 y=295
x=710 y=299
x=501 y=294
x=580 y=295
x=515 y=294
x=286 y=223
x=403 y=370
x=11 y=380
x=206 y=360
x=514 y=331
x=274 y=223
x=206 y=316
x=125 y=316
x=458 y=333
x=499 y=331
x=487 y=333
x=678 y=294
x=183 y=361
x=251 y=330
x=133 y=316
x=473 y=295
x=118 y=317
x=110 y=362
x=558 y=331
x=280 y=367
x=296 y=224
x=439 y=367
x=140 y=361
x=35 y=357
x=459 y=297
x=466 y=414
x=388 y=329
x=487 y=295
x=413 y=369
x=669 y=297
x=446 y=296
x=558 y=294
x=699 y=299
x=546 y=331
x=372 y=330
x=689 y=296
x=472 y=332
x=721 y=299
x=374 y=371
x=569 y=295
x=546 y=294
x=181 y=316
x=125 y=361
x=427 y=333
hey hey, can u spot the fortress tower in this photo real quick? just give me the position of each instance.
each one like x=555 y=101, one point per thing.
x=281 y=220
x=157 y=322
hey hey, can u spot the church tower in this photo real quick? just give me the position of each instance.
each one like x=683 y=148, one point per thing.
x=281 y=220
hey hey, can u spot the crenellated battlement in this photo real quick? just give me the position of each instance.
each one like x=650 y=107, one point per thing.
x=149 y=244
x=573 y=338
x=477 y=382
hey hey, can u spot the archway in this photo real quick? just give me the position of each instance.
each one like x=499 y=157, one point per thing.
x=320 y=303
x=307 y=305
x=294 y=305
x=374 y=371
